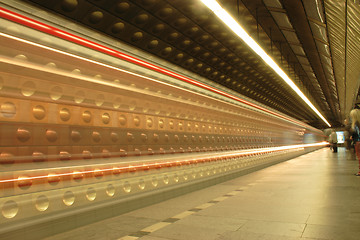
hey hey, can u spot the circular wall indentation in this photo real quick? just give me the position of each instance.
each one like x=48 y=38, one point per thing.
x=176 y=178
x=51 y=135
x=116 y=103
x=166 y=51
x=1 y=82
x=28 y=89
x=96 y=17
x=153 y=44
x=53 y=178
x=64 y=155
x=122 y=120
x=137 y=121
x=171 y=124
x=100 y=99
x=142 y=18
x=24 y=182
x=114 y=136
x=137 y=36
x=56 y=93
x=86 y=116
x=122 y=7
x=106 y=153
x=75 y=135
x=64 y=114
x=165 y=12
x=10 y=209
x=105 y=118
x=141 y=184
x=68 y=198
x=132 y=105
x=130 y=137
x=38 y=157
x=42 y=203
x=77 y=176
x=76 y=71
x=127 y=187
x=23 y=134
x=98 y=173
x=161 y=123
x=91 y=194
x=39 y=112
x=79 y=97
x=69 y=5
x=149 y=122
x=50 y=64
x=21 y=57
x=154 y=181
x=173 y=36
x=86 y=154
x=8 y=109
x=158 y=28
x=166 y=179
x=110 y=190
x=96 y=136
x=118 y=27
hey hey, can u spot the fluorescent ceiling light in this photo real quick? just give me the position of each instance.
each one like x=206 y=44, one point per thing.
x=238 y=30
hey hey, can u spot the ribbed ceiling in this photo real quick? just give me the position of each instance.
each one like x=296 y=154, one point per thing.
x=314 y=42
x=343 y=20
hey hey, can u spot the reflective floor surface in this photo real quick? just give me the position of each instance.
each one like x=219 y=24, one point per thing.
x=315 y=196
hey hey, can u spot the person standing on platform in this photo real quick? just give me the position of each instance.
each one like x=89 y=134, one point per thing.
x=347 y=134
x=333 y=141
x=355 y=124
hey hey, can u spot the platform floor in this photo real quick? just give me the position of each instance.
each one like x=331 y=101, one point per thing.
x=315 y=196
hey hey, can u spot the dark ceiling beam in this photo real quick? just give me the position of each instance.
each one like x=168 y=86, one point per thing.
x=298 y=18
x=269 y=26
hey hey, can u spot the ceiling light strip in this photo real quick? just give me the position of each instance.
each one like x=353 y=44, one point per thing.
x=239 y=31
x=25 y=21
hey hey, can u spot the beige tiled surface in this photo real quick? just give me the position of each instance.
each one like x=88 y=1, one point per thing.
x=315 y=196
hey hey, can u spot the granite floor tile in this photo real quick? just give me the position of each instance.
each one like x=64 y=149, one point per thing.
x=332 y=232
x=154 y=238
x=314 y=196
x=179 y=231
x=243 y=235
x=335 y=220
x=224 y=223
x=274 y=228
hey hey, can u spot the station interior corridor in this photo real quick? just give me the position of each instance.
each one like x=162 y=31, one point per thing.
x=314 y=196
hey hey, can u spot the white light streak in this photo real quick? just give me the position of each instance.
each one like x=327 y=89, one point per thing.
x=240 y=32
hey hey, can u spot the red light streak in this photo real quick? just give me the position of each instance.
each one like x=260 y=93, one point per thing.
x=157 y=165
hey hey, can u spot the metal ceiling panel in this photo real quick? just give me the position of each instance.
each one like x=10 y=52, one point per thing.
x=273 y=3
x=326 y=61
x=303 y=60
x=336 y=25
x=352 y=54
x=318 y=31
x=298 y=50
x=323 y=49
x=281 y=19
x=291 y=37
x=314 y=10
x=307 y=68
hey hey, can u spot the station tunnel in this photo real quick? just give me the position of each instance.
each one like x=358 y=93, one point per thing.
x=109 y=106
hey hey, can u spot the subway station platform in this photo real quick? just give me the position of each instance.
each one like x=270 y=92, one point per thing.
x=314 y=196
